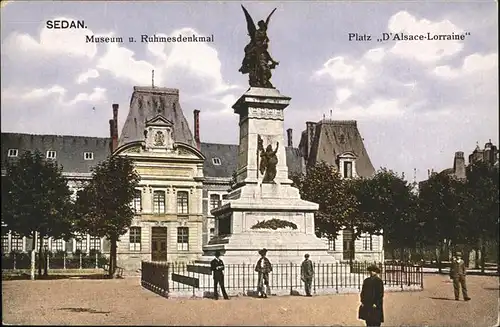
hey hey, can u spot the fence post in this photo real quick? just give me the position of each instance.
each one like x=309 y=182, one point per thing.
x=80 y=260
x=48 y=260
x=96 y=263
x=337 y=276
x=64 y=260
x=14 y=261
x=402 y=272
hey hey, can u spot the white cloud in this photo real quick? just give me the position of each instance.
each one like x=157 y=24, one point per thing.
x=375 y=55
x=97 y=95
x=84 y=77
x=120 y=62
x=338 y=69
x=70 y=42
x=475 y=63
x=56 y=92
x=200 y=59
x=379 y=108
x=423 y=51
x=343 y=94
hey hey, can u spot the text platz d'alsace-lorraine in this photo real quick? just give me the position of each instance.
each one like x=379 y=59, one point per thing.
x=267 y=164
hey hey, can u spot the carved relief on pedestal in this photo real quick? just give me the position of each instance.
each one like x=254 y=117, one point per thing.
x=265 y=113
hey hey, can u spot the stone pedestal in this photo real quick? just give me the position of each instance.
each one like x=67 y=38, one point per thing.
x=261 y=114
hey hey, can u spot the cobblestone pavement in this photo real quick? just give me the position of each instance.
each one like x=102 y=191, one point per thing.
x=115 y=302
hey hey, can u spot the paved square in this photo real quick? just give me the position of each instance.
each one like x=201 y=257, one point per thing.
x=115 y=302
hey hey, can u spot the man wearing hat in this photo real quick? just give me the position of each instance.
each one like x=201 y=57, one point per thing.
x=371 y=309
x=263 y=267
x=217 y=266
x=457 y=274
x=307 y=273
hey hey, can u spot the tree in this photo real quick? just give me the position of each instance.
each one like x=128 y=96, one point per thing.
x=322 y=184
x=36 y=199
x=442 y=212
x=388 y=206
x=483 y=204
x=103 y=205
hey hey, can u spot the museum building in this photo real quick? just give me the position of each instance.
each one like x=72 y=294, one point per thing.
x=182 y=178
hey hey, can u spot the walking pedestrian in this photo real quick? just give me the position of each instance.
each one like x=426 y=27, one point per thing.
x=371 y=309
x=307 y=273
x=217 y=266
x=457 y=274
x=263 y=267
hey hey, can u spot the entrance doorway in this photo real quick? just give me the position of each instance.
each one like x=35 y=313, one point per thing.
x=348 y=244
x=159 y=239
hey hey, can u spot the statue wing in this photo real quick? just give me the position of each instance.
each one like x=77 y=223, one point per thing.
x=250 y=24
x=269 y=17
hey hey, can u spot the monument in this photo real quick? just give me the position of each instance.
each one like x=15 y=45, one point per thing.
x=263 y=210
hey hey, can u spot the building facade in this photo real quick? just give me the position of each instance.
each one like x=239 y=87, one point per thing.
x=181 y=178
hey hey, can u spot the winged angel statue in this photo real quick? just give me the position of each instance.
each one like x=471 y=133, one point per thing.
x=258 y=62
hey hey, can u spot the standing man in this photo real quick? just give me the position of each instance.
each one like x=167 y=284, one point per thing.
x=457 y=274
x=263 y=267
x=217 y=267
x=307 y=273
x=371 y=309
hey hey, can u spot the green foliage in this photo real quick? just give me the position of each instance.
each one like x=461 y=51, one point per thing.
x=36 y=198
x=103 y=205
x=387 y=204
x=483 y=201
x=274 y=224
x=442 y=209
x=337 y=203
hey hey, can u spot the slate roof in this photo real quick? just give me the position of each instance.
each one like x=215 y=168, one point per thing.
x=228 y=155
x=332 y=138
x=148 y=102
x=69 y=149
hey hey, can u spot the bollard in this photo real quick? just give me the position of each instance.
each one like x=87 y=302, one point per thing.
x=96 y=262
x=32 y=264
x=80 y=260
x=64 y=260
x=14 y=261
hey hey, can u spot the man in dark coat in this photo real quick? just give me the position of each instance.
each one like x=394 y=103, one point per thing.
x=307 y=274
x=457 y=274
x=263 y=267
x=217 y=266
x=372 y=296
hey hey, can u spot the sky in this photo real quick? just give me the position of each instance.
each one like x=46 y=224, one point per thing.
x=416 y=102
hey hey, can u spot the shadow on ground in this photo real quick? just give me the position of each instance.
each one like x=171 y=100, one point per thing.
x=442 y=298
x=53 y=277
x=84 y=310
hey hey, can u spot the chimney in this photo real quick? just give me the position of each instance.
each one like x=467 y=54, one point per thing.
x=289 y=137
x=459 y=165
x=310 y=136
x=113 y=126
x=197 y=128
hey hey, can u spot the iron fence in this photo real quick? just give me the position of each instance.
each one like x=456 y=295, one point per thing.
x=242 y=277
x=19 y=261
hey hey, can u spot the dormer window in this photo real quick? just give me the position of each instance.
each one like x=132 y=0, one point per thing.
x=51 y=154
x=88 y=155
x=13 y=153
x=216 y=161
x=347 y=169
x=347 y=165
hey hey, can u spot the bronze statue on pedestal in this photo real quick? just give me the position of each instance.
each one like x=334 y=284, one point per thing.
x=258 y=62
